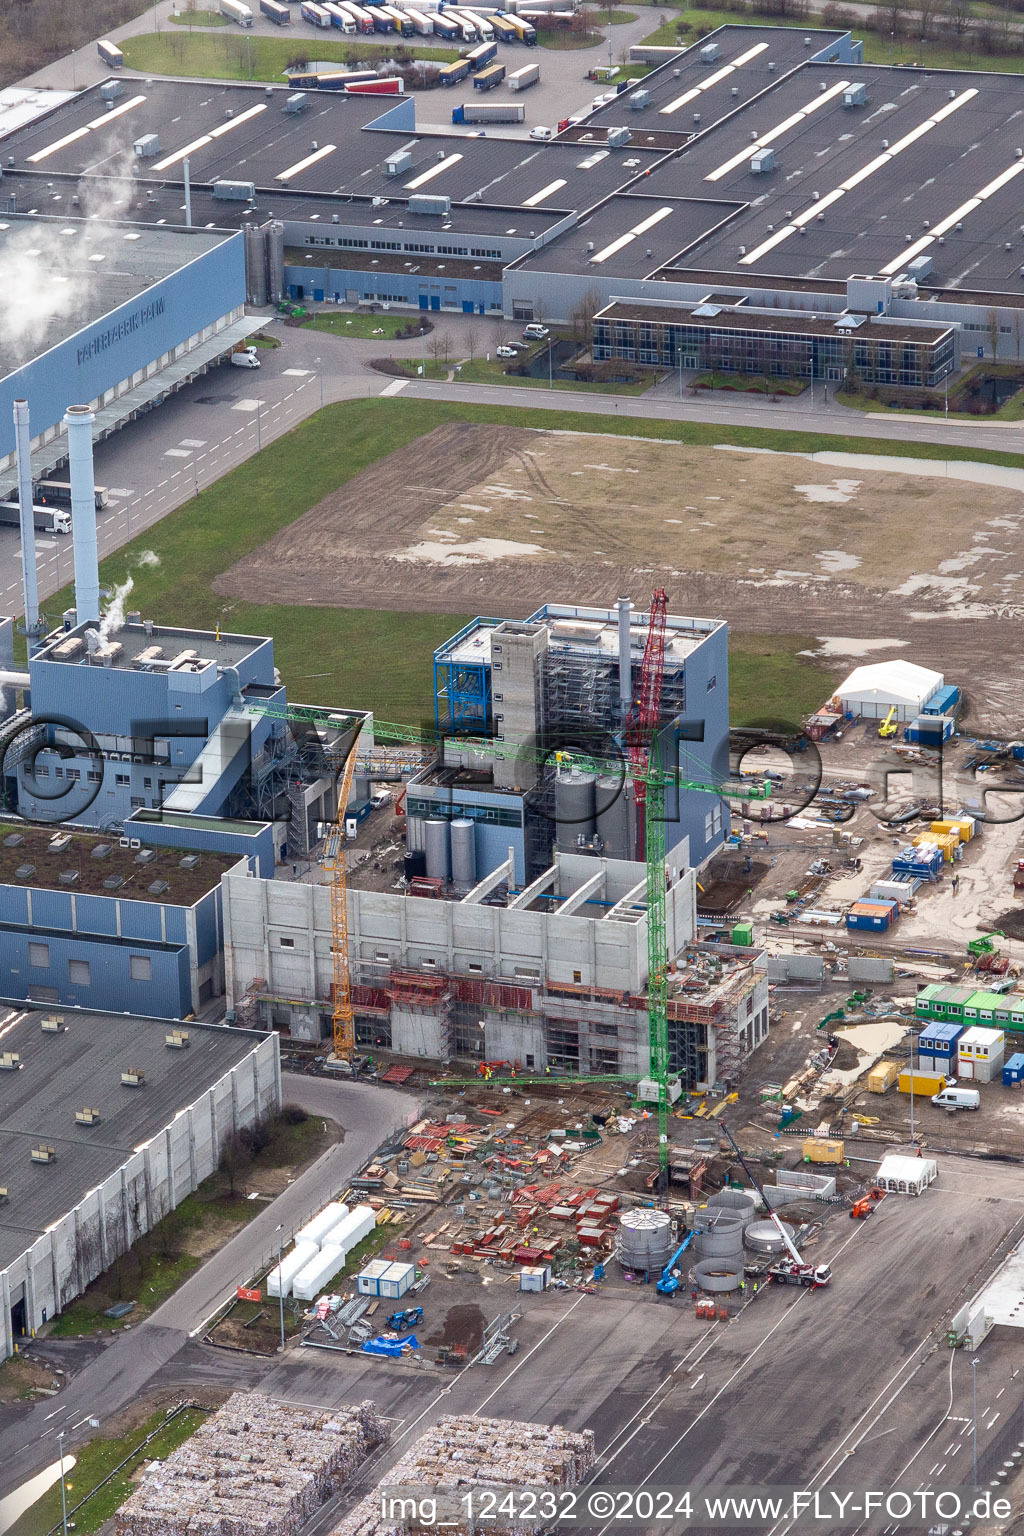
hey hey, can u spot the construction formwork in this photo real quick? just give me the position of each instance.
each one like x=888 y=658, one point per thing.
x=256 y=1468
x=461 y=1454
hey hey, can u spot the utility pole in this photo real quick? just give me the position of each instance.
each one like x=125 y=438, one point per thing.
x=318 y=365
x=974 y=1370
x=280 y=1287
x=64 y=1492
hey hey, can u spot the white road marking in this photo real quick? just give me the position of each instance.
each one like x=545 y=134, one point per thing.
x=246 y=405
x=295 y=373
x=395 y=387
x=192 y=442
x=177 y=453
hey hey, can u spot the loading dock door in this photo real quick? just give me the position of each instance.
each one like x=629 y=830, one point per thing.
x=467 y=307
x=424 y=301
x=318 y=295
x=435 y=301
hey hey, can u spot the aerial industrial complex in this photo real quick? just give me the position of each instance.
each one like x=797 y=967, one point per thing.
x=575 y=1023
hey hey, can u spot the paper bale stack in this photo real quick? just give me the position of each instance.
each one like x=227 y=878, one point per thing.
x=256 y=1468
x=462 y=1453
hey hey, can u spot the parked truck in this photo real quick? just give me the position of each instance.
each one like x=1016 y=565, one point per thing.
x=237 y=12
x=482 y=112
x=46 y=519
x=274 y=11
x=521 y=78
x=482 y=54
x=487 y=79
x=452 y=74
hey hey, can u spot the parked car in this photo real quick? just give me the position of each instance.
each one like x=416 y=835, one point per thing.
x=535 y=332
x=505 y=351
x=542 y=133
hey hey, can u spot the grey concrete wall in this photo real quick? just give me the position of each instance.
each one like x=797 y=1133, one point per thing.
x=60 y=1264
x=870 y=968
x=804 y=968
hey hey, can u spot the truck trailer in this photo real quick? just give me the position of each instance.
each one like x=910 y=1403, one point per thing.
x=421 y=23
x=46 y=519
x=452 y=74
x=236 y=11
x=339 y=18
x=482 y=112
x=487 y=79
x=274 y=11
x=521 y=78
x=110 y=53
x=364 y=23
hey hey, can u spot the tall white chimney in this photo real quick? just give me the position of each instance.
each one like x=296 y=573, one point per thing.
x=625 y=608
x=30 y=585
x=79 y=419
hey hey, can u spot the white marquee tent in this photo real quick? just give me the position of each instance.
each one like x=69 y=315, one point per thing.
x=873 y=690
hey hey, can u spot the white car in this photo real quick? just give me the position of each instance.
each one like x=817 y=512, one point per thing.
x=535 y=332
x=544 y=134
x=505 y=351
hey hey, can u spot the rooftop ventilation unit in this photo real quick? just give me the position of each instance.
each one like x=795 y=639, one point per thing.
x=59 y=841
x=158 y=888
x=14 y=839
x=145 y=856
x=148 y=146
x=10 y=1061
x=24 y=872
x=430 y=203
x=618 y=138
x=101 y=851
x=110 y=90
x=298 y=102
x=177 y=1040
x=735 y=91
x=638 y=100
x=133 y=1077
x=234 y=191
x=190 y=861
x=762 y=161
x=398 y=163
x=855 y=95
x=709 y=53
x=53 y=1024
x=920 y=268
x=87 y=1116
x=44 y=1154
x=68 y=877
x=113 y=882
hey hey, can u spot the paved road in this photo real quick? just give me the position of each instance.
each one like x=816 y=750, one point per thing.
x=127 y=1366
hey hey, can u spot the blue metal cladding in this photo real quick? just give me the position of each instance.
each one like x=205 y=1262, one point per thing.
x=113 y=348
x=209 y=927
x=401 y=287
x=256 y=845
x=95 y=914
x=707 y=703
x=111 y=988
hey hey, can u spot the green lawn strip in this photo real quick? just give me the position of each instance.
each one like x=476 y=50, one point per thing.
x=96 y=1461
x=480 y=371
x=562 y=39
x=378 y=660
x=613 y=18
x=162 y=1277
x=271 y=343
x=343 y=323
x=198 y=19
x=743 y=383
x=258 y=58
x=771 y=684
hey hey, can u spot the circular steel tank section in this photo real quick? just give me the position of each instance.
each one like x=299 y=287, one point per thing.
x=723 y=1239
x=463 y=853
x=437 y=842
x=763 y=1237
x=719 y=1275
x=613 y=805
x=574 y=807
x=737 y=1201
x=645 y=1240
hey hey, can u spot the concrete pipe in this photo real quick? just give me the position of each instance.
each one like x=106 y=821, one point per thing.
x=717 y=1276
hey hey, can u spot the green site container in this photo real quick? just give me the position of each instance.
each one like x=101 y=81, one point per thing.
x=743 y=933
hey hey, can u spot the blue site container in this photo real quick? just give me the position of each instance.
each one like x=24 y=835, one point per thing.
x=1013 y=1071
x=923 y=862
x=876 y=916
x=943 y=702
x=929 y=730
x=937 y=1048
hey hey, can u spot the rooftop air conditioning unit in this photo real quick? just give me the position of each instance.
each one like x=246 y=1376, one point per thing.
x=133 y=1077
x=10 y=1061
x=53 y=1024
x=44 y=1154
x=87 y=1116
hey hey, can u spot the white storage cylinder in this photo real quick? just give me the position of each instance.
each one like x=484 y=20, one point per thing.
x=301 y=1255
x=321 y=1268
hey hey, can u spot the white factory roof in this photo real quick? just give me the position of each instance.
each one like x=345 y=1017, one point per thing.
x=902 y=683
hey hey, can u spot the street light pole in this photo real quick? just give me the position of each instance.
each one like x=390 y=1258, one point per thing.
x=974 y=1370
x=64 y=1492
x=280 y=1287
x=318 y=365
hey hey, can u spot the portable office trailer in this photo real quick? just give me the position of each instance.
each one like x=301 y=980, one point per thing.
x=937 y=1048
x=1013 y=1071
x=982 y=1007
x=980 y=1054
x=877 y=916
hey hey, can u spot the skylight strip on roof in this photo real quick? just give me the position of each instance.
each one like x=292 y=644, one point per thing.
x=303 y=165
x=51 y=149
x=906 y=255
x=616 y=245
x=115 y=112
x=865 y=171
x=773 y=133
x=179 y=154
x=819 y=207
x=1001 y=181
x=649 y=223
x=435 y=170
x=538 y=197
x=946 y=224
x=768 y=245
x=719 y=74
x=236 y=122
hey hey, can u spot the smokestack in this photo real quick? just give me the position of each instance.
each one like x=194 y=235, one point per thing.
x=625 y=608
x=22 y=439
x=78 y=420
x=188 y=193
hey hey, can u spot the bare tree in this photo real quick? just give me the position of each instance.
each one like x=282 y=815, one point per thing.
x=1018 y=329
x=235 y=1158
x=581 y=318
x=446 y=343
x=957 y=15
x=436 y=347
x=502 y=334
x=472 y=342
x=993 y=331
x=894 y=13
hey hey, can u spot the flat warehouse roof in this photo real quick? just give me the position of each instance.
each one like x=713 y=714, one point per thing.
x=81 y=1068
x=91 y=268
x=631 y=235
x=788 y=322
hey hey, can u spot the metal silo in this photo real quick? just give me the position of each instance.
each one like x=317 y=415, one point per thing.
x=645 y=1240
x=721 y=1237
x=463 y=853
x=274 y=236
x=574 y=807
x=255 y=265
x=737 y=1202
x=438 y=843
x=613 y=806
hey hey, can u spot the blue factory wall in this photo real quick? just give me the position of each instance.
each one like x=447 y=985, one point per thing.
x=327 y=283
x=127 y=339
x=701 y=817
x=166 y=991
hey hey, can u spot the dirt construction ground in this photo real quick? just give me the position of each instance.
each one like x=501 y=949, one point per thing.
x=500 y=519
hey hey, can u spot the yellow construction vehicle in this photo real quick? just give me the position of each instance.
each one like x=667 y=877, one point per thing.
x=888 y=726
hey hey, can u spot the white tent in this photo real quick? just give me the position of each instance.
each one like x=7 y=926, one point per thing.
x=873 y=690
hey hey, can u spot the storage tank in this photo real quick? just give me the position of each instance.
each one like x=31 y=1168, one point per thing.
x=763 y=1237
x=574 y=807
x=645 y=1240
x=613 y=806
x=274 y=236
x=321 y=1268
x=721 y=1239
x=357 y=1224
x=414 y=864
x=437 y=839
x=255 y=265
x=301 y=1255
x=315 y=1231
x=719 y=1275
x=463 y=853
x=736 y=1201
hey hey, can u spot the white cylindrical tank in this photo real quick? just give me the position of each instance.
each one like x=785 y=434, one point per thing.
x=463 y=853
x=764 y=1237
x=317 y=1230
x=646 y=1239
x=437 y=839
x=321 y=1268
x=301 y=1255
x=359 y=1223
x=78 y=420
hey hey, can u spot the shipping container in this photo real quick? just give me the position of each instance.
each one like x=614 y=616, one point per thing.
x=1013 y=1071
x=929 y=730
x=816 y=1149
x=925 y=1084
x=236 y=11
x=875 y=916
x=944 y=702
x=110 y=53
x=528 y=75
x=451 y=74
x=482 y=54
x=937 y=1048
x=487 y=79
x=882 y=1076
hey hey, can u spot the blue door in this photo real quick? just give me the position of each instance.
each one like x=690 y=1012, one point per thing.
x=435 y=301
x=424 y=302
x=467 y=307
x=318 y=295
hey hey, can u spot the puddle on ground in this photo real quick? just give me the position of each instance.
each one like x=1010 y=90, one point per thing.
x=15 y=1504
x=835 y=490
x=835 y=561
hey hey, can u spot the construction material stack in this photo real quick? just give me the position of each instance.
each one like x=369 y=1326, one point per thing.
x=460 y=1455
x=256 y=1468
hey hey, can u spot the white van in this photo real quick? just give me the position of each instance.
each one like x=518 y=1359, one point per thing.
x=958 y=1098
x=244 y=360
x=543 y=134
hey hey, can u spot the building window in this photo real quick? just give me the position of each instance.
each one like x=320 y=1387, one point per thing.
x=140 y=968
x=429 y=965
x=39 y=954
x=381 y=958
x=122 y=780
x=712 y=683
x=286 y=943
x=577 y=976
x=78 y=973
x=713 y=823
x=137 y=802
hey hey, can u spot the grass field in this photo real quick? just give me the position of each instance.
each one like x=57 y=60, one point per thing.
x=239 y=57
x=96 y=1461
x=562 y=39
x=198 y=19
x=341 y=323
x=480 y=371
